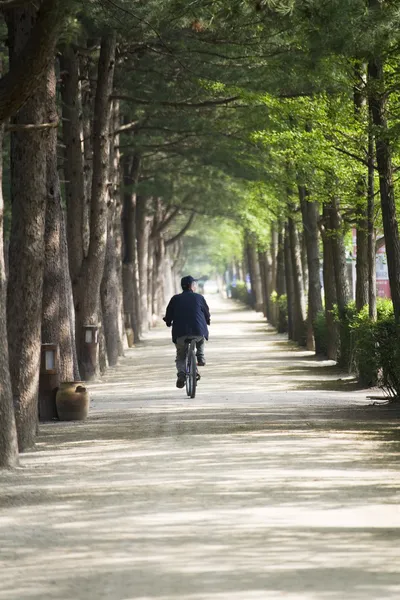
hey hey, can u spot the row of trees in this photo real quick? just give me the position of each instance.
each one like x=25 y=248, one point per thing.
x=131 y=121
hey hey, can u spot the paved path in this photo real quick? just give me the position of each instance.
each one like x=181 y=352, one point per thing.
x=270 y=484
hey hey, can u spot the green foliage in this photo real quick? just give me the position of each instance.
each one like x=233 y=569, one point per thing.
x=321 y=332
x=211 y=245
x=345 y=323
x=240 y=292
x=365 y=357
x=370 y=348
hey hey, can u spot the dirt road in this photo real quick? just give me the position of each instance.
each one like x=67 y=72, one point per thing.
x=276 y=481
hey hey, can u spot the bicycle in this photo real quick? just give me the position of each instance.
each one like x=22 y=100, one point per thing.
x=192 y=375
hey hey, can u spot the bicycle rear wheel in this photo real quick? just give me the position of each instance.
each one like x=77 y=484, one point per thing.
x=191 y=370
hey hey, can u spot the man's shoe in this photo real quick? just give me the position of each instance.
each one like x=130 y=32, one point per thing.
x=201 y=362
x=180 y=382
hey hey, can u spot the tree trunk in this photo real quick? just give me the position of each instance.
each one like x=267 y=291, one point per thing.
x=130 y=258
x=69 y=369
x=362 y=262
x=109 y=290
x=150 y=291
x=88 y=298
x=111 y=285
x=263 y=262
x=8 y=431
x=255 y=275
x=26 y=257
x=89 y=78
x=32 y=58
x=73 y=159
x=280 y=280
x=362 y=281
x=289 y=283
x=329 y=287
x=57 y=315
x=299 y=317
x=310 y=214
x=143 y=233
x=377 y=100
x=371 y=229
x=339 y=255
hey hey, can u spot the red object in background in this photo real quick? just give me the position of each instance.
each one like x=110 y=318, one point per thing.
x=382 y=275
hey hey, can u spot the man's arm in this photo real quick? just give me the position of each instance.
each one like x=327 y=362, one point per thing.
x=169 y=314
x=206 y=311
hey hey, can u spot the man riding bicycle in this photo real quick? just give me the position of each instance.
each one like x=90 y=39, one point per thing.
x=189 y=316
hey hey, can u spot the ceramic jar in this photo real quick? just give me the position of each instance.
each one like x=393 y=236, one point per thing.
x=72 y=401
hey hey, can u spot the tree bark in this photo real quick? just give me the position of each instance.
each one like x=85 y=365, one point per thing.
x=255 y=275
x=143 y=233
x=111 y=285
x=130 y=268
x=299 y=317
x=89 y=77
x=52 y=260
x=8 y=431
x=88 y=298
x=310 y=215
x=329 y=286
x=26 y=255
x=362 y=281
x=338 y=254
x=377 y=101
x=362 y=262
x=264 y=268
x=371 y=229
x=289 y=283
x=280 y=280
x=34 y=56
x=73 y=158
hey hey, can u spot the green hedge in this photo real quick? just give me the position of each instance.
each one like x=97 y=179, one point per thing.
x=369 y=348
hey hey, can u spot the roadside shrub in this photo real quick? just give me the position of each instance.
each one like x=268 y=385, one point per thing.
x=283 y=313
x=388 y=351
x=365 y=358
x=240 y=292
x=346 y=321
x=321 y=332
x=371 y=348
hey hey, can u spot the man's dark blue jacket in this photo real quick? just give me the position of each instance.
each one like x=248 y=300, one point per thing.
x=188 y=314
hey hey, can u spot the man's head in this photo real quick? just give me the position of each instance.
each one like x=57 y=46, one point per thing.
x=188 y=282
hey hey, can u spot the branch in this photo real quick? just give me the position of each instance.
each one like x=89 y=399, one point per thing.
x=351 y=155
x=128 y=127
x=379 y=243
x=30 y=126
x=206 y=103
x=7 y=4
x=164 y=224
x=181 y=232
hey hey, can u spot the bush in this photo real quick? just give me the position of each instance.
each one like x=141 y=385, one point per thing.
x=240 y=292
x=388 y=354
x=345 y=322
x=365 y=359
x=321 y=332
x=372 y=348
x=283 y=313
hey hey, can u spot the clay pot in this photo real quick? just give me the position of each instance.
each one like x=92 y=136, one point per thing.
x=72 y=401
